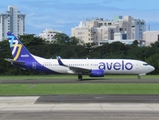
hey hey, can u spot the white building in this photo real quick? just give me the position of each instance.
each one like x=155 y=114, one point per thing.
x=48 y=34
x=98 y=29
x=119 y=37
x=12 y=21
x=151 y=37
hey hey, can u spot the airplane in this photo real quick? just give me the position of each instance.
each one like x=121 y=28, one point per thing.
x=93 y=67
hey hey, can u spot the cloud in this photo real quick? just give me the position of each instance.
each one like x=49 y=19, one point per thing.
x=65 y=14
x=45 y=5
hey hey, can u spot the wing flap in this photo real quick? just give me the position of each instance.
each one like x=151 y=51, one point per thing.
x=78 y=69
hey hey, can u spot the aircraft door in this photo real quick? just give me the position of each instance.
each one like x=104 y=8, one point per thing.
x=137 y=66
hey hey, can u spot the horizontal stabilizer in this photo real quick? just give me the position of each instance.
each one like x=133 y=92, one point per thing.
x=14 y=61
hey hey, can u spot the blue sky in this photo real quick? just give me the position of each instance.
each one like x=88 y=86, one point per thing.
x=63 y=15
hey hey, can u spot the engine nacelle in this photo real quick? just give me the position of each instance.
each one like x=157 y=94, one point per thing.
x=97 y=73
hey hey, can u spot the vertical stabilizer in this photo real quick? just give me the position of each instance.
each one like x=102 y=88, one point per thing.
x=19 y=51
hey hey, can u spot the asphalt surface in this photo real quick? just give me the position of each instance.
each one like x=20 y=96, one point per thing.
x=92 y=80
x=98 y=99
x=24 y=108
x=80 y=115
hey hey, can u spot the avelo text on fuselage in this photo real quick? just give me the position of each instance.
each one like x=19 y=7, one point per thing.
x=115 y=65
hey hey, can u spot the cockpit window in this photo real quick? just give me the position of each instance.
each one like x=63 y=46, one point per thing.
x=145 y=64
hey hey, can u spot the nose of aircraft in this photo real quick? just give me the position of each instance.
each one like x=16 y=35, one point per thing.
x=152 y=68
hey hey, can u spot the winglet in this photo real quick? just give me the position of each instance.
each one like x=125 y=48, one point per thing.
x=59 y=61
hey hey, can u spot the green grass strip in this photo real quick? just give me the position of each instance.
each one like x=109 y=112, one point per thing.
x=47 y=89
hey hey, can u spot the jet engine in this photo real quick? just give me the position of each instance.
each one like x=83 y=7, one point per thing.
x=96 y=73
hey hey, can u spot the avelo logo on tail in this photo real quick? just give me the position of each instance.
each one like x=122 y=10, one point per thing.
x=14 y=46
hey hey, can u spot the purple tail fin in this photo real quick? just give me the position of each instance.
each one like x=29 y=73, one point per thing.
x=19 y=51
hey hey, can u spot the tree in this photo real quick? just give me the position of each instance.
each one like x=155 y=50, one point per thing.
x=135 y=43
x=31 y=40
x=61 y=38
x=75 y=41
x=154 y=61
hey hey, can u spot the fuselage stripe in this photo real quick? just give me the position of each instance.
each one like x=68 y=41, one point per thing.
x=12 y=39
x=19 y=50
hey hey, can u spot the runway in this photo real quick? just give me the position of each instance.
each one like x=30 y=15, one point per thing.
x=98 y=99
x=91 y=80
x=79 y=107
x=80 y=115
x=24 y=108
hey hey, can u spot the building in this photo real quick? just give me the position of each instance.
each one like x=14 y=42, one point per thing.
x=151 y=37
x=94 y=30
x=48 y=34
x=12 y=21
x=119 y=37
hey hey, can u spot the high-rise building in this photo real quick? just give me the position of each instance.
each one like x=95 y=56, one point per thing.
x=94 y=30
x=12 y=21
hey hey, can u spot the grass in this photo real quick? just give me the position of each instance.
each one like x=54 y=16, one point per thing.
x=88 y=88
x=76 y=88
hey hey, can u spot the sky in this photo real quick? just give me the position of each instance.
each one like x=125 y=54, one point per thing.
x=62 y=15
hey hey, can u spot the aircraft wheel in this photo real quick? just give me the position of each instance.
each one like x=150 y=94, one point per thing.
x=139 y=77
x=80 y=77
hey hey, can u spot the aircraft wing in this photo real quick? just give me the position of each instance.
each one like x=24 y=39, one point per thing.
x=14 y=61
x=75 y=69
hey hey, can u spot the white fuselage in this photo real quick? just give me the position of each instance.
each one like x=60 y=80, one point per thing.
x=110 y=66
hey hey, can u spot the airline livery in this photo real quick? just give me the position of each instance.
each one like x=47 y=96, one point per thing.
x=93 y=67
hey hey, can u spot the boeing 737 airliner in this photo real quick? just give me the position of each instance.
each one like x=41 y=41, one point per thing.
x=92 y=67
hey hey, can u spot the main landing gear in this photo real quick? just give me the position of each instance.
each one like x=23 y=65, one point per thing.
x=139 y=77
x=80 y=77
